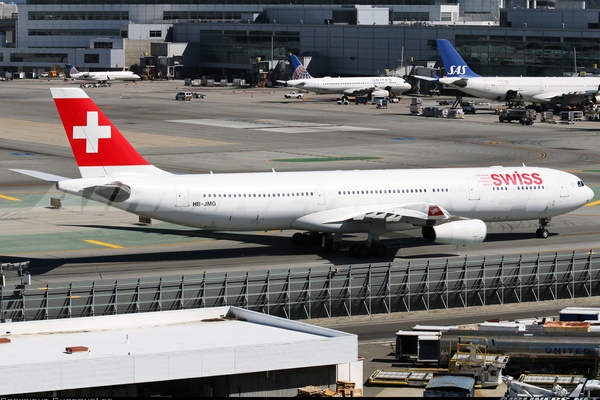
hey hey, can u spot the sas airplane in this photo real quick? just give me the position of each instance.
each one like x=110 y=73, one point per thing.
x=101 y=77
x=450 y=205
x=368 y=85
x=551 y=90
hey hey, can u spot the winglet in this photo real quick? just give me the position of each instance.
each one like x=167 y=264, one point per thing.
x=298 y=70
x=99 y=148
x=454 y=65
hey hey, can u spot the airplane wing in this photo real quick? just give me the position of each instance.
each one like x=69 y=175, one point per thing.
x=565 y=97
x=417 y=214
x=456 y=81
x=365 y=90
x=426 y=78
x=420 y=214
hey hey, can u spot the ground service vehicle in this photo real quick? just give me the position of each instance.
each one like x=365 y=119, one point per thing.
x=184 y=96
x=525 y=116
x=446 y=385
x=560 y=347
x=468 y=108
x=293 y=95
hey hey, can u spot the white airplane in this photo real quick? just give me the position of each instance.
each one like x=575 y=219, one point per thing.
x=101 y=77
x=369 y=85
x=451 y=205
x=553 y=90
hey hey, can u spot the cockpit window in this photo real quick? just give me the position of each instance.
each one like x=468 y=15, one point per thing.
x=580 y=184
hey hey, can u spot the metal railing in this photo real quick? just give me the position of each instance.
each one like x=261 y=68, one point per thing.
x=305 y=293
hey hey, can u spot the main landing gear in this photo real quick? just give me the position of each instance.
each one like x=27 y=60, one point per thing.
x=332 y=243
x=364 y=250
x=542 y=232
x=326 y=241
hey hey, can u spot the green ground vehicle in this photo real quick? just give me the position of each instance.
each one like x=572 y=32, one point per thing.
x=525 y=116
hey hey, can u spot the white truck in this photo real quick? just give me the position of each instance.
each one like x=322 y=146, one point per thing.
x=293 y=95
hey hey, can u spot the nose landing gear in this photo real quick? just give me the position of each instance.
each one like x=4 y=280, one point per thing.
x=542 y=232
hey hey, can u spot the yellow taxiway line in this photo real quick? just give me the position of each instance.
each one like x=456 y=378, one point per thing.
x=113 y=246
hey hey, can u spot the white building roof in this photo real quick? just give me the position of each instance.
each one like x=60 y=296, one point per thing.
x=156 y=346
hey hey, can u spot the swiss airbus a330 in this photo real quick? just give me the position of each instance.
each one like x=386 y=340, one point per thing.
x=450 y=205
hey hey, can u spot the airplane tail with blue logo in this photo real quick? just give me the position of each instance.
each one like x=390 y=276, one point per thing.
x=455 y=66
x=298 y=70
x=71 y=70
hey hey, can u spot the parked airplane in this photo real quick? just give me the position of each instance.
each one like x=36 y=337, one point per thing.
x=368 y=85
x=543 y=90
x=101 y=77
x=450 y=205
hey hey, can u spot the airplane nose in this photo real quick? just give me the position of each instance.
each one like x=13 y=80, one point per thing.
x=589 y=195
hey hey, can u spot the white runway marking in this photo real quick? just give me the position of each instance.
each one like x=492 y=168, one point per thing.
x=273 y=125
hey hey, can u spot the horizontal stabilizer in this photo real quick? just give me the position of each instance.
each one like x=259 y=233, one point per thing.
x=41 y=175
x=426 y=78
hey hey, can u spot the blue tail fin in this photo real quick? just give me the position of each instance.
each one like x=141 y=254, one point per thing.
x=298 y=70
x=71 y=69
x=455 y=66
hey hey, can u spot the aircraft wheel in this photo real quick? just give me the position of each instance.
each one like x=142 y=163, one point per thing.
x=314 y=238
x=332 y=246
x=353 y=249
x=542 y=233
x=363 y=251
x=297 y=239
x=378 y=250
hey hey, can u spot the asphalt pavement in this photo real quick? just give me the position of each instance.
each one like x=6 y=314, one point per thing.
x=258 y=129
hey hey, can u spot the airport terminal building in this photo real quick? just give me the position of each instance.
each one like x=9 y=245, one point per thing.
x=251 y=40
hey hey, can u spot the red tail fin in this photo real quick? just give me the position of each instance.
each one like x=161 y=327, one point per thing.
x=99 y=148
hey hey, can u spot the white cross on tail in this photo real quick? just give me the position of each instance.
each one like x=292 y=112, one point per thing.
x=92 y=132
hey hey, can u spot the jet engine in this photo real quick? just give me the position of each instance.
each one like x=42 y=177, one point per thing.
x=380 y=93
x=469 y=231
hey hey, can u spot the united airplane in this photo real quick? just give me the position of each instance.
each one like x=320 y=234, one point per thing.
x=381 y=85
x=450 y=205
x=101 y=77
x=561 y=90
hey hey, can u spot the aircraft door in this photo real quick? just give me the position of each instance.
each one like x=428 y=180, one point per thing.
x=321 y=196
x=564 y=187
x=182 y=197
x=473 y=189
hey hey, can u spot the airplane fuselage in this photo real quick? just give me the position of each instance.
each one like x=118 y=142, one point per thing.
x=351 y=85
x=449 y=205
x=531 y=89
x=330 y=201
x=107 y=76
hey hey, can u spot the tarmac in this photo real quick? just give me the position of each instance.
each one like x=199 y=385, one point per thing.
x=218 y=133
